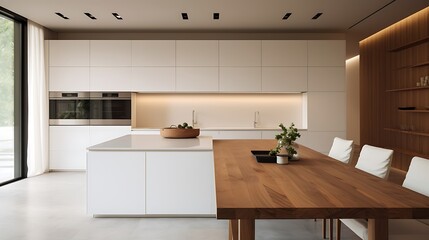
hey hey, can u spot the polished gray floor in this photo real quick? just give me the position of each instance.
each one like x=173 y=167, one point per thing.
x=52 y=207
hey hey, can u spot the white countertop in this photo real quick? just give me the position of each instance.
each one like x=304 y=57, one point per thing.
x=154 y=143
x=221 y=129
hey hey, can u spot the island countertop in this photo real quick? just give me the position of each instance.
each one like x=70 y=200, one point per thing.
x=154 y=143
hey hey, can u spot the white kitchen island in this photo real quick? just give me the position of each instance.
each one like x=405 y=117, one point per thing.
x=147 y=175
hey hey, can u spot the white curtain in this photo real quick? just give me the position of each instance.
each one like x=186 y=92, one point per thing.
x=37 y=151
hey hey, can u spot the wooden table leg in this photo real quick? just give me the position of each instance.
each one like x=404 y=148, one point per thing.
x=378 y=229
x=331 y=229
x=233 y=229
x=247 y=229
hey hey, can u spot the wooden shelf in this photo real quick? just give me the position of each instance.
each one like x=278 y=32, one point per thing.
x=421 y=64
x=407 y=89
x=410 y=44
x=407 y=152
x=425 y=134
x=415 y=111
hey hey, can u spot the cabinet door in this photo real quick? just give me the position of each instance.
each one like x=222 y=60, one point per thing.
x=116 y=182
x=154 y=53
x=67 y=147
x=284 y=79
x=240 y=79
x=154 y=79
x=110 y=53
x=99 y=134
x=326 y=53
x=110 y=79
x=240 y=53
x=326 y=111
x=68 y=78
x=68 y=53
x=180 y=183
x=326 y=79
x=286 y=53
x=194 y=79
x=193 y=53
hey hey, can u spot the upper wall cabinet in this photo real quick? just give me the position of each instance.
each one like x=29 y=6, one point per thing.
x=326 y=53
x=284 y=79
x=325 y=79
x=281 y=53
x=240 y=53
x=110 y=53
x=111 y=79
x=194 y=53
x=154 y=53
x=68 y=79
x=68 y=53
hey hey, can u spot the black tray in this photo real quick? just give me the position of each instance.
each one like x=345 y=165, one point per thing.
x=263 y=156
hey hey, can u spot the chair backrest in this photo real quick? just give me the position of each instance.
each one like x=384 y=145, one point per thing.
x=417 y=178
x=341 y=150
x=375 y=160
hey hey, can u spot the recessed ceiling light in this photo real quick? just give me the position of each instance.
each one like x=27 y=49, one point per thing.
x=317 y=16
x=90 y=16
x=185 y=16
x=216 y=16
x=286 y=16
x=61 y=15
x=117 y=16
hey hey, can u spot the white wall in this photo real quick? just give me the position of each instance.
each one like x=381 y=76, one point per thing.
x=353 y=98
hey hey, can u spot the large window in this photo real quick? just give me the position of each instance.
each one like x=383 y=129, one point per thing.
x=11 y=97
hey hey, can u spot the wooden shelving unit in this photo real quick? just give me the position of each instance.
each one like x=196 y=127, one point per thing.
x=391 y=64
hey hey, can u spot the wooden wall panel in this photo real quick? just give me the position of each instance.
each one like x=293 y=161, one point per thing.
x=391 y=63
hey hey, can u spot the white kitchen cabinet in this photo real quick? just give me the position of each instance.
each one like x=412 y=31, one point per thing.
x=68 y=79
x=154 y=53
x=67 y=147
x=68 y=53
x=240 y=53
x=197 y=79
x=180 y=183
x=153 y=79
x=327 y=111
x=326 y=53
x=287 y=53
x=240 y=79
x=111 y=79
x=320 y=141
x=193 y=53
x=110 y=53
x=116 y=182
x=284 y=79
x=99 y=134
x=326 y=79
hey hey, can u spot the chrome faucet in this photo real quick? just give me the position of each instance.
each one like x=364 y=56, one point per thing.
x=256 y=119
x=194 y=121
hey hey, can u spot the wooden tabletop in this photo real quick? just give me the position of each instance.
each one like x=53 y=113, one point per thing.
x=316 y=186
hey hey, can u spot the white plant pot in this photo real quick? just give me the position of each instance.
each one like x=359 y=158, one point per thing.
x=282 y=159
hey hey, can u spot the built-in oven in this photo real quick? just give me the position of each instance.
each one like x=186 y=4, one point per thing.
x=110 y=108
x=90 y=108
x=69 y=108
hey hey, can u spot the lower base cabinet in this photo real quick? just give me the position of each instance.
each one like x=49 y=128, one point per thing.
x=180 y=183
x=116 y=182
x=150 y=183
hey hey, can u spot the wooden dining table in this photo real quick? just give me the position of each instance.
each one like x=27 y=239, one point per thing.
x=315 y=186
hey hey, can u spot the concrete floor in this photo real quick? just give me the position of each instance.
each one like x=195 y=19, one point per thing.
x=53 y=206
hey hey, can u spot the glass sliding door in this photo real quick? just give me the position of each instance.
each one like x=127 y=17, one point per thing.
x=11 y=65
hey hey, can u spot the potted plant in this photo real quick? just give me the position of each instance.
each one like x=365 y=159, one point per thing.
x=286 y=140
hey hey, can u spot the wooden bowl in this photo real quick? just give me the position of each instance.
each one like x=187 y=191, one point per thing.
x=179 y=132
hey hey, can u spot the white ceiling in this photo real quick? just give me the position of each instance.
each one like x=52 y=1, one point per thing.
x=165 y=15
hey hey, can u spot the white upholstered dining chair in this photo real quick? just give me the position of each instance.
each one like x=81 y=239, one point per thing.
x=341 y=150
x=375 y=161
x=417 y=179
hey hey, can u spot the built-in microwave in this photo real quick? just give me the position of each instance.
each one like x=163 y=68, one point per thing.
x=90 y=108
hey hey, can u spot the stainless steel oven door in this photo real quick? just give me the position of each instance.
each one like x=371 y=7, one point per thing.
x=110 y=108
x=69 y=108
